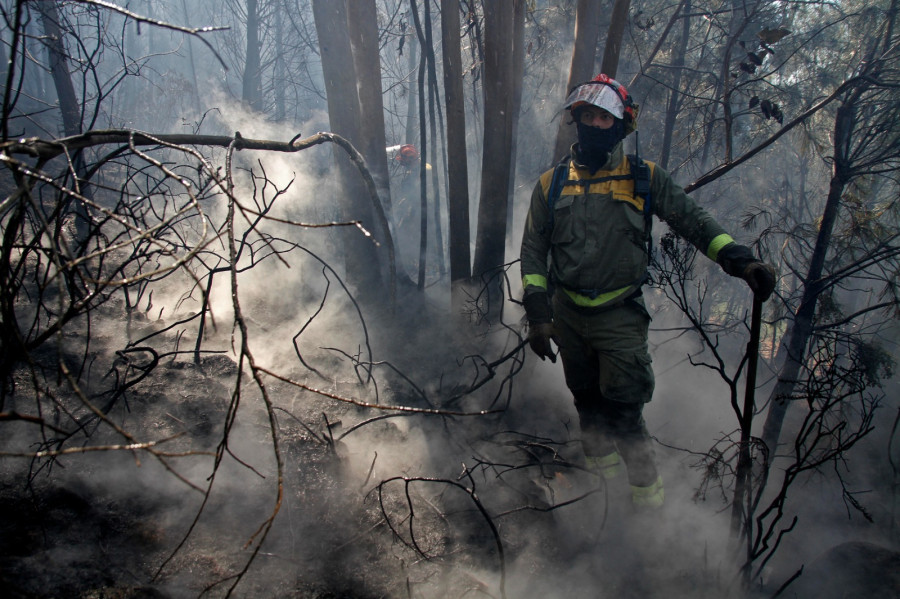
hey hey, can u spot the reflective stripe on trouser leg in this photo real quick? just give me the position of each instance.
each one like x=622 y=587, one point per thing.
x=608 y=466
x=651 y=496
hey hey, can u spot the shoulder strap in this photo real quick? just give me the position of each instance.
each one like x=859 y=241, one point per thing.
x=560 y=174
x=641 y=172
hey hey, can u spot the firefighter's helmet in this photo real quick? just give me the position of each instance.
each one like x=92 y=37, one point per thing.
x=407 y=155
x=605 y=92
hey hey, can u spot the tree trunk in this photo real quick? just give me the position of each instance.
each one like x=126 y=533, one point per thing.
x=363 y=28
x=736 y=27
x=675 y=94
x=68 y=107
x=427 y=79
x=280 y=77
x=59 y=68
x=195 y=92
x=614 y=35
x=663 y=38
x=361 y=257
x=499 y=83
x=423 y=157
x=252 y=82
x=436 y=158
x=518 y=61
x=587 y=32
x=412 y=118
x=457 y=160
x=792 y=352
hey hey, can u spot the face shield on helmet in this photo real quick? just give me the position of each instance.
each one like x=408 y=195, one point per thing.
x=606 y=93
x=599 y=95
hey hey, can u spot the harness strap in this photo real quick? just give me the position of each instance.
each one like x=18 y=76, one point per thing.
x=560 y=177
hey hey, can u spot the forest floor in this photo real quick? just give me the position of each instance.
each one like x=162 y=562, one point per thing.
x=116 y=524
x=385 y=513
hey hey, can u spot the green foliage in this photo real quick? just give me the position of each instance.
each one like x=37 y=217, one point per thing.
x=876 y=363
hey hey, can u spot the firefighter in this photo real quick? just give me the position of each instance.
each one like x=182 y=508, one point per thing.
x=407 y=155
x=584 y=258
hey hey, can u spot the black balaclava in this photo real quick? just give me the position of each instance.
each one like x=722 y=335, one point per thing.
x=595 y=144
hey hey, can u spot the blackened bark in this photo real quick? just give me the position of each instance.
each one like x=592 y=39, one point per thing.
x=69 y=108
x=457 y=162
x=499 y=82
x=363 y=28
x=362 y=256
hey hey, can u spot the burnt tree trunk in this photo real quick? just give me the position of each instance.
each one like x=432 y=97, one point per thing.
x=587 y=32
x=251 y=92
x=457 y=160
x=500 y=81
x=69 y=108
x=363 y=29
x=361 y=257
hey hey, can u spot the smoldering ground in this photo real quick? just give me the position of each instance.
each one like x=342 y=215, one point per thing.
x=418 y=503
x=391 y=508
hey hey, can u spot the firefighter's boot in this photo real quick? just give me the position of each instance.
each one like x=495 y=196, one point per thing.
x=608 y=466
x=650 y=497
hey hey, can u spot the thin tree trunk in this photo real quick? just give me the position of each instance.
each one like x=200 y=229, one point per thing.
x=793 y=349
x=195 y=92
x=280 y=78
x=587 y=32
x=423 y=149
x=59 y=68
x=614 y=35
x=663 y=37
x=433 y=108
x=739 y=21
x=68 y=107
x=362 y=19
x=412 y=95
x=498 y=81
x=457 y=160
x=252 y=82
x=518 y=61
x=423 y=174
x=675 y=93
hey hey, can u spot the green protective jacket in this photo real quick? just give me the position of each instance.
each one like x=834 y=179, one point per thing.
x=594 y=247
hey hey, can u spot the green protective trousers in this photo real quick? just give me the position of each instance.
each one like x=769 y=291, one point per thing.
x=608 y=370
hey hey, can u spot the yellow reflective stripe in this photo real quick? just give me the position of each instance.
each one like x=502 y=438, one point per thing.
x=534 y=281
x=608 y=466
x=717 y=244
x=586 y=302
x=652 y=496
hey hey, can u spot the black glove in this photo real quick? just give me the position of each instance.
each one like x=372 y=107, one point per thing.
x=761 y=279
x=735 y=259
x=739 y=261
x=537 y=307
x=540 y=324
x=539 y=337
